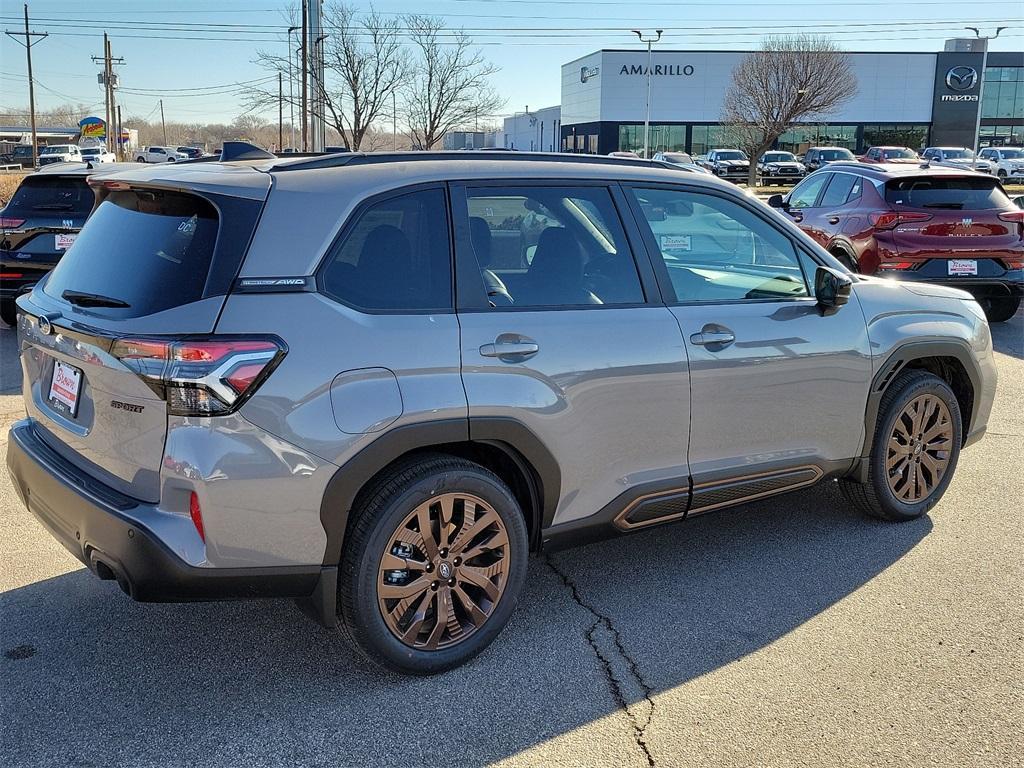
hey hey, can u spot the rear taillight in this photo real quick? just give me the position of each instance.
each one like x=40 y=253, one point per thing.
x=197 y=515
x=892 y=219
x=896 y=265
x=1017 y=217
x=1014 y=263
x=201 y=377
x=13 y=223
x=10 y=275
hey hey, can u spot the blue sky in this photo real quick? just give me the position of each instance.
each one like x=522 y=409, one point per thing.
x=528 y=39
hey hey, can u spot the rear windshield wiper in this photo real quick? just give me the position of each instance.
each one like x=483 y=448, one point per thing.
x=53 y=207
x=82 y=299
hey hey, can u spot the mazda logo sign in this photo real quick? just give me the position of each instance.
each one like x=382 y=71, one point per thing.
x=961 y=78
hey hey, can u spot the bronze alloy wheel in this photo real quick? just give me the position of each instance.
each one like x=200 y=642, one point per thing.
x=919 y=449
x=443 y=572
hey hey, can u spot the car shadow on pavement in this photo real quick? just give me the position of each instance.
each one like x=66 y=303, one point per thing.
x=1008 y=337
x=92 y=678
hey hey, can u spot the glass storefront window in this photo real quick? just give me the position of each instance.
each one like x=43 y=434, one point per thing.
x=800 y=139
x=1002 y=135
x=913 y=136
x=662 y=138
x=708 y=137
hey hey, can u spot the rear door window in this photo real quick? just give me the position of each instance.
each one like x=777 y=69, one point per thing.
x=51 y=196
x=149 y=249
x=967 y=194
x=395 y=256
x=551 y=247
x=842 y=188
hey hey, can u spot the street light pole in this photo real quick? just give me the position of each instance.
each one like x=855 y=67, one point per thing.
x=981 y=89
x=647 y=116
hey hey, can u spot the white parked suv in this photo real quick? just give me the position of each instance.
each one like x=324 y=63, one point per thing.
x=60 y=153
x=1008 y=162
x=958 y=157
x=159 y=155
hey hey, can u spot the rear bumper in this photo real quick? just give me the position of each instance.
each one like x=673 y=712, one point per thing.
x=101 y=527
x=1007 y=285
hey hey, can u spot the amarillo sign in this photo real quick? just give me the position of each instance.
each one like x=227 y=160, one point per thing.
x=93 y=128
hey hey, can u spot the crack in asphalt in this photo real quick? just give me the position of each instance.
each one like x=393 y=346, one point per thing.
x=615 y=685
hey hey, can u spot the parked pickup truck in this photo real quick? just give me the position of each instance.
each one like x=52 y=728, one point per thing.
x=159 y=155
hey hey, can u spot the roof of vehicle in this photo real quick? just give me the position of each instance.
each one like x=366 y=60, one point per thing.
x=844 y=149
x=888 y=146
x=84 y=169
x=968 y=149
x=899 y=170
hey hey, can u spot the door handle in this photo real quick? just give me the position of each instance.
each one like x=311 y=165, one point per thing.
x=510 y=345
x=833 y=220
x=711 y=337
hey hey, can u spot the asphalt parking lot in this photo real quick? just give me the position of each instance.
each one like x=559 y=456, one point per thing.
x=787 y=632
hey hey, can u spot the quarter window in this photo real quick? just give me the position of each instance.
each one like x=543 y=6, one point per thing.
x=716 y=250
x=551 y=246
x=395 y=257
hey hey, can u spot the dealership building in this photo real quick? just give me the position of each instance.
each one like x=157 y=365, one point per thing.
x=907 y=99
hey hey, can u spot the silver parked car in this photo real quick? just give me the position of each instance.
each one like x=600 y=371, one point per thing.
x=377 y=382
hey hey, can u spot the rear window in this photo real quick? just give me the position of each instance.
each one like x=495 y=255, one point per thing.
x=51 y=195
x=898 y=154
x=148 y=248
x=954 y=194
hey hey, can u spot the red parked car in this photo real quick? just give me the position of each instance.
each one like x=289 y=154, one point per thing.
x=940 y=225
x=891 y=155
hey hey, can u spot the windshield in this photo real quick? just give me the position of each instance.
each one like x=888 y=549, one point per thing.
x=91 y=151
x=39 y=195
x=58 y=149
x=836 y=154
x=952 y=154
x=1012 y=154
x=779 y=157
x=677 y=157
x=731 y=156
x=965 y=194
x=899 y=153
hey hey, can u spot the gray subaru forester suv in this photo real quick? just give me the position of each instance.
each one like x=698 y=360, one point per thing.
x=376 y=383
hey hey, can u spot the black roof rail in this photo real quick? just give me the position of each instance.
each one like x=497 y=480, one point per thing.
x=363 y=158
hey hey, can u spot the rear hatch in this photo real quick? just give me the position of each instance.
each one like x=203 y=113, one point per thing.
x=40 y=223
x=151 y=267
x=955 y=218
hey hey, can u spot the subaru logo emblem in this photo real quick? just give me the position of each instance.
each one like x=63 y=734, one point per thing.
x=444 y=570
x=45 y=326
x=961 y=78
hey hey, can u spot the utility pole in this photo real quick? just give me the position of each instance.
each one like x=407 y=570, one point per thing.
x=647 y=116
x=981 y=88
x=291 y=90
x=120 y=149
x=28 y=43
x=108 y=90
x=162 y=123
x=305 y=74
x=280 y=111
x=394 y=120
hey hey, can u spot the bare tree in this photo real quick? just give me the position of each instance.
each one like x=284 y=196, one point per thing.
x=449 y=87
x=790 y=79
x=364 y=63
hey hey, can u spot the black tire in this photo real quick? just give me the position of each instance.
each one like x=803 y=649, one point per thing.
x=381 y=511
x=875 y=497
x=1001 y=174
x=846 y=260
x=9 y=312
x=1001 y=309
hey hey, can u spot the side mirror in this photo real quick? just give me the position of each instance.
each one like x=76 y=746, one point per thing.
x=778 y=201
x=831 y=288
